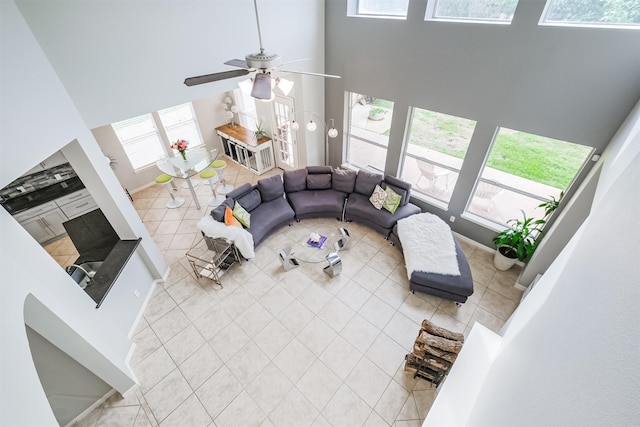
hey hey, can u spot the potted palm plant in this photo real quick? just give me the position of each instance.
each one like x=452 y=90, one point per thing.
x=517 y=242
x=520 y=240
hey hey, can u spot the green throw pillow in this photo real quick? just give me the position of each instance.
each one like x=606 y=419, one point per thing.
x=392 y=201
x=241 y=215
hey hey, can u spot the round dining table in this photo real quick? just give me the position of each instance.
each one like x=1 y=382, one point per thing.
x=197 y=160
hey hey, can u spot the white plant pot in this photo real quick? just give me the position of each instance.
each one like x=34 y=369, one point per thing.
x=502 y=262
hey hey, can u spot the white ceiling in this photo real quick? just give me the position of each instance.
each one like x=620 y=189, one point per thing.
x=119 y=59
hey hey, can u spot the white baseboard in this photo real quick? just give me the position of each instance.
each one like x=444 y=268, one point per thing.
x=90 y=409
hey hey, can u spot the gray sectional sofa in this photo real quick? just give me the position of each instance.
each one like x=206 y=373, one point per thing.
x=322 y=192
x=265 y=203
x=317 y=192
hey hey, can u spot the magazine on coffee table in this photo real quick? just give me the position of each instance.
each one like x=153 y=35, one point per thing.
x=317 y=244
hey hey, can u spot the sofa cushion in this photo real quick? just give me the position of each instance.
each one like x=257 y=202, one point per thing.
x=378 y=197
x=295 y=180
x=271 y=188
x=229 y=219
x=240 y=191
x=267 y=217
x=321 y=181
x=306 y=203
x=392 y=201
x=360 y=209
x=343 y=180
x=366 y=182
x=251 y=200
x=319 y=169
x=218 y=212
x=401 y=187
x=242 y=215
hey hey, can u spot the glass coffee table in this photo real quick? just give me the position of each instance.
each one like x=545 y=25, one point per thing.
x=310 y=251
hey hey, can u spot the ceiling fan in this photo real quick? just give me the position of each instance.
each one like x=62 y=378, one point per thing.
x=262 y=63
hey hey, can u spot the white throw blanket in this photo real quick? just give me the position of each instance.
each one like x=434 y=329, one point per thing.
x=427 y=244
x=239 y=236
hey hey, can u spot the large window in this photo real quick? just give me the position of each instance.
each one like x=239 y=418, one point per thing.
x=382 y=8
x=369 y=123
x=592 y=12
x=521 y=171
x=179 y=122
x=140 y=140
x=435 y=148
x=497 y=11
x=247 y=114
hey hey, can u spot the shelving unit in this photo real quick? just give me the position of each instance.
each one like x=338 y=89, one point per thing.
x=240 y=145
x=212 y=258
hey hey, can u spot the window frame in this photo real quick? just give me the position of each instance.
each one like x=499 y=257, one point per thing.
x=348 y=135
x=131 y=141
x=405 y=154
x=431 y=11
x=353 y=10
x=582 y=24
x=193 y=120
x=496 y=225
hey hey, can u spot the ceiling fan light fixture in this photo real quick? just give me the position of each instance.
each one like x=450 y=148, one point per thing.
x=284 y=85
x=262 y=86
x=245 y=86
x=273 y=96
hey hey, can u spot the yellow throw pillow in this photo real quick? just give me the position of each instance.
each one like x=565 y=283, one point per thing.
x=229 y=219
x=242 y=215
x=392 y=201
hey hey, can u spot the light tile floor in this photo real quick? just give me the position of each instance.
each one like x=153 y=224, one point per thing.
x=286 y=349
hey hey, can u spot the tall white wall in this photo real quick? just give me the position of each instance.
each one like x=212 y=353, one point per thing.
x=571 y=355
x=39 y=118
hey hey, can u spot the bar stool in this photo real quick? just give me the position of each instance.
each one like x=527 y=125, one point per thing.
x=211 y=176
x=213 y=156
x=175 y=202
x=223 y=188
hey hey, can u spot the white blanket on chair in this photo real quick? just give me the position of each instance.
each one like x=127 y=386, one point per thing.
x=239 y=236
x=427 y=244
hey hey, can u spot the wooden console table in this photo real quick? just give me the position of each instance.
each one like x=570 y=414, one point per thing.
x=240 y=145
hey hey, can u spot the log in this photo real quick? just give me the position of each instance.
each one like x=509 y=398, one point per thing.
x=445 y=344
x=441 y=332
x=423 y=351
x=417 y=362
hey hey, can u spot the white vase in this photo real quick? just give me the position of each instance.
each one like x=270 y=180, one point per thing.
x=502 y=262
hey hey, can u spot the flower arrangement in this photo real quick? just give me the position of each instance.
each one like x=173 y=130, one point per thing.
x=181 y=145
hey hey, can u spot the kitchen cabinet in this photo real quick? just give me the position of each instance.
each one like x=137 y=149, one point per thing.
x=56 y=159
x=43 y=222
x=240 y=145
x=75 y=204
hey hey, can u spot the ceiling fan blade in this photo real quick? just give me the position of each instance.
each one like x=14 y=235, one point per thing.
x=294 y=61
x=308 y=73
x=241 y=63
x=207 y=78
x=262 y=86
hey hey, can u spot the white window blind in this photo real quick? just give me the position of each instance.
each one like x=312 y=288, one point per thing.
x=179 y=123
x=140 y=140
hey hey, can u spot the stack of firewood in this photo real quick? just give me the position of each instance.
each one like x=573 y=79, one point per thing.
x=434 y=351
